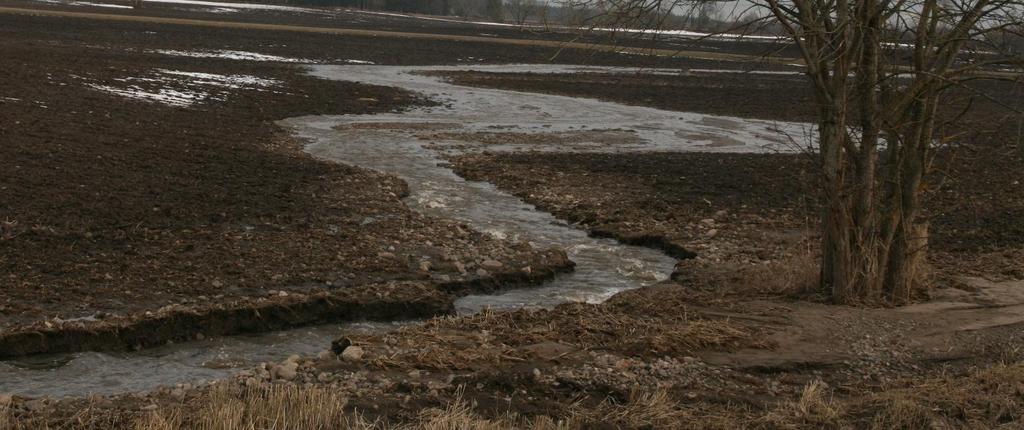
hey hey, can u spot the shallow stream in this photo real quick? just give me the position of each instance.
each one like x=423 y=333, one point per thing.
x=401 y=144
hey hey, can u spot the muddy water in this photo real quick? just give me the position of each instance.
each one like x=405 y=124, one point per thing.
x=400 y=144
x=89 y=373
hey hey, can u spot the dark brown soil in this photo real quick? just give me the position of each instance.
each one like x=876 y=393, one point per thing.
x=975 y=200
x=112 y=207
x=774 y=97
x=339 y=18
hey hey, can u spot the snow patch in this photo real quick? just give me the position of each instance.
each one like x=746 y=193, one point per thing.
x=227 y=81
x=232 y=55
x=166 y=96
x=678 y=33
x=752 y=72
x=86 y=3
x=250 y=6
x=196 y=89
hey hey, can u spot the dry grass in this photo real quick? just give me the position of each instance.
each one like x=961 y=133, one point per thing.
x=990 y=398
x=6 y=422
x=282 y=407
x=491 y=337
x=816 y=408
x=986 y=399
x=797 y=273
x=270 y=407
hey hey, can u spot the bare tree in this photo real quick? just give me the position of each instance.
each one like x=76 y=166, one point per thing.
x=879 y=70
x=495 y=10
x=521 y=10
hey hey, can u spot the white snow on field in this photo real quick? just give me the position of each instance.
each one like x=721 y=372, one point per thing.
x=196 y=89
x=108 y=5
x=678 y=33
x=9 y=99
x=227 y=81
x=752 y=72
x=250 y=6
x=359 y=62
x=232 y=55
x=86 y=3
x=163 y=95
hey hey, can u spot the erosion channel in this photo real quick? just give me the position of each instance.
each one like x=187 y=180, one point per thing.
x=412 y=145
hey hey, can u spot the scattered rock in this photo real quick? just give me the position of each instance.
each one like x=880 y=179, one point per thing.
x=352 y=353
x=326 y=355
x=340 y=344
x=286 y=371
x=492 y=265
x=178 y=394
x=34 y=405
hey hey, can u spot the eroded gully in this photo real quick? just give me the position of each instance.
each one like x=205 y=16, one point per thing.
x=410 y=145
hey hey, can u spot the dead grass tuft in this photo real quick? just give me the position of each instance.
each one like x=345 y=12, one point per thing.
x=278 y=407
x=6 y=421
x=794 y=274
x=644 y=410
x=460 y=343
x=988 y=398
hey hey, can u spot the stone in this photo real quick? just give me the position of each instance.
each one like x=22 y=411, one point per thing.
x=326 y=355
x=549 y=350
x=286 y=371
x=338 y=345
x=35 y=405
x=492 y=264
x=482 y=273
x=711 y=233
x=352 y=353
x=708 y=221
x=178 y=394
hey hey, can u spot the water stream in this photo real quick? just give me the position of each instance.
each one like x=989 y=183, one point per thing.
x=401 y=144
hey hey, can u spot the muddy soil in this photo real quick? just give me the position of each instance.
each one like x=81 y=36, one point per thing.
x=340 y=18
x=725 y=350
x=709 y=361
x=113 y=208
x=976 y=213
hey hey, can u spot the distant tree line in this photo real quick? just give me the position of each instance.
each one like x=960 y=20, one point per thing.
x=710 y=16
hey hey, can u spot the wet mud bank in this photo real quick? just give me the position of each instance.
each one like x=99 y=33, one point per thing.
x=397 y=301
